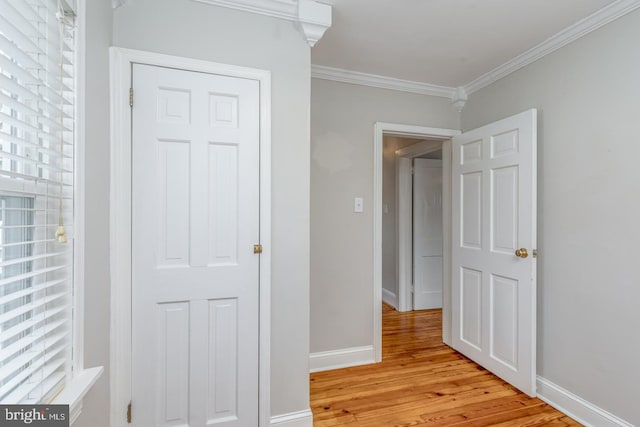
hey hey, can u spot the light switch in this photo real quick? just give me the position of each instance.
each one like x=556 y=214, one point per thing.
x=385 y=208
x=358 y=205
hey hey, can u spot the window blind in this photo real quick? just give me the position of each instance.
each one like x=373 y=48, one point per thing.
x=36 y=180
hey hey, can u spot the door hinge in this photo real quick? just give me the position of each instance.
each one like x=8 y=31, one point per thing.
x=129 y=413
x=130 y=97
x=257 y=249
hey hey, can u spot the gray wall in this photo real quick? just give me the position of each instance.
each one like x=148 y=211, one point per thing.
x=95 y=412
x=196 y=30
x=588 y=208
x=342 y=120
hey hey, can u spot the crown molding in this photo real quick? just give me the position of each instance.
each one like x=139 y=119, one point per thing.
x=283 y=9
x=313 y=18
x=570 y=34
x=382 y=82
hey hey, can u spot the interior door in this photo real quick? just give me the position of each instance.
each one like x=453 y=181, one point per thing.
x=195 y=219
x=493 y=248
x=427 y=234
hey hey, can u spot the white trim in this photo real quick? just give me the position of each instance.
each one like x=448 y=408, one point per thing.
x=314 y=18
x=81 y=380
x=382 y=82
x=379 y=130
x=343 y=358
x=294 y=419
x=121 y=61
x=580 y=29
x=283 y=9
x=390 y=298
x=404 y=232
x=576 y=407
x=75 y=391
x=447 y=216
x=79 y=188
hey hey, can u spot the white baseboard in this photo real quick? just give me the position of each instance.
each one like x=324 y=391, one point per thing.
x=336 y=359
x=293 y=419
x=576 y=407
x=390 y=298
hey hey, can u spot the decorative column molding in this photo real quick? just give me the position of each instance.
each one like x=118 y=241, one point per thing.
x=459 y=99
x=314 y=19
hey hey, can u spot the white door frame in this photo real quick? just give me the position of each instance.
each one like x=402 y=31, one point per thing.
x=396 y=129
x=121 y=61
x=404 y=195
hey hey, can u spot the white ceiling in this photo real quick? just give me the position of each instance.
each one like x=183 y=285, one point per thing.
x=442 y=42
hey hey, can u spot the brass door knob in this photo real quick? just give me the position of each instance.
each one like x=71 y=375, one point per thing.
x=522 y=253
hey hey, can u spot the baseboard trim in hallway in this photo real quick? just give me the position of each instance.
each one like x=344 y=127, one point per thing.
x=293 y=419
x=344 y=358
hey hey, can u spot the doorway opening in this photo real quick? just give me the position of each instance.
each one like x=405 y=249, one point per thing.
x=393 y=263
x=412 y=223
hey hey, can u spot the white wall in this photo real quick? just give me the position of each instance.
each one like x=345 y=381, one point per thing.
x=192 y=29
x=342 y=120
x=95 y=411
x=588 y=96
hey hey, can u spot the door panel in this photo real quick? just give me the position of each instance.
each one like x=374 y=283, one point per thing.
x=195 y=220
x=494 y=214
x=427 y=233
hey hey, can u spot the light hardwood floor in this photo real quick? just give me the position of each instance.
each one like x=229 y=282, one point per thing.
x=422 y=382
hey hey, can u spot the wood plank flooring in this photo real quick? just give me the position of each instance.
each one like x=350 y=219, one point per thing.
x=422 y=382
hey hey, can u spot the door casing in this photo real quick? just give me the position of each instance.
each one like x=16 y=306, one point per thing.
x=396 y=129
x=121 y=61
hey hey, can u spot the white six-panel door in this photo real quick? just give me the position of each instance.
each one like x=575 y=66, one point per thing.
x=195 y=219
x=427 y=234
x=494 y=217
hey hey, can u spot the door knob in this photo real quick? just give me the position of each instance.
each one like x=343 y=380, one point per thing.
x=522 y=253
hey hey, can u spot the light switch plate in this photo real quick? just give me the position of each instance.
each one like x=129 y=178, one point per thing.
x=358 y=205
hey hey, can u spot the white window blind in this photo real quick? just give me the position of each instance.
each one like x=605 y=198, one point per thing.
x=36 y=174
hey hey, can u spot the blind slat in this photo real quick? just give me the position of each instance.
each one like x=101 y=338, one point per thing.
x=29 y=242
x=14 y=104
x=22 y=391
x=31 y=323
x=30 y=258
x=29 y=340
x=30 y=307
x=12 y=51
x=30 y=355
x=30 y=290
x=29 y=275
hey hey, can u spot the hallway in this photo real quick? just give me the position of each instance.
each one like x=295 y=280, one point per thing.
x=422 y=382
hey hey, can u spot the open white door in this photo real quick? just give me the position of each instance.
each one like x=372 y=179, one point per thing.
x=427 y=234
x=493 y=248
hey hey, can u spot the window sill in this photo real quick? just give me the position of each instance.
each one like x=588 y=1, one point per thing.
x=75 y=391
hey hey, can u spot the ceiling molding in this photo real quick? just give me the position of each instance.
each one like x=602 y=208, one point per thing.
x=283 y=9
x=314 y=18
x=382 y=82
x=570 y=34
